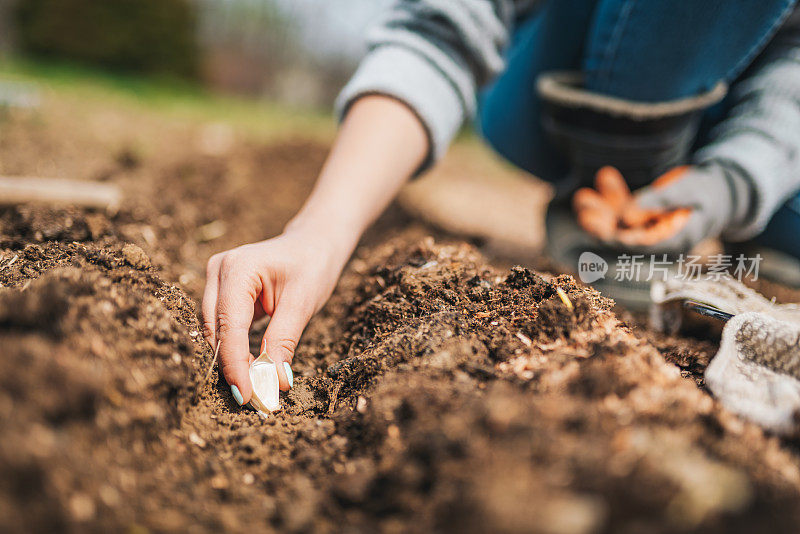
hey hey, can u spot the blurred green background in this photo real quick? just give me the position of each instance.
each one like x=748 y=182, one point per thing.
x=297 y=52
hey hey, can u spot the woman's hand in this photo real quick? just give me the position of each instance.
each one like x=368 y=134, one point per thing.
x=380 y=144
x=612 y=214
x=288 y=278
x=713 y=196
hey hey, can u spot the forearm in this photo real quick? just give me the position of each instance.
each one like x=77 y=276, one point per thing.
x=381 y=143
x=289 y=277
x=434 y=56
x=760 y=138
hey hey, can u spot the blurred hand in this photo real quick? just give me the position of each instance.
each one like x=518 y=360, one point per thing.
x=614 y=215
x=710 y=197
x=288 y=278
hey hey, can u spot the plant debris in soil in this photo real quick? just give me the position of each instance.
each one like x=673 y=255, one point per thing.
x=435 y=392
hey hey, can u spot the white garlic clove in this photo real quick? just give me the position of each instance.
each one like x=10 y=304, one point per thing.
x=264 y=376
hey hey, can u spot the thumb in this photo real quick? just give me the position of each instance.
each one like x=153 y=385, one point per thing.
x=671 y=190
x=612 y=187
x=673 y=196
x=283 y=334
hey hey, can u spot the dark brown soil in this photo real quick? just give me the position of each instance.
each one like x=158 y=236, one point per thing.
x=435 y=392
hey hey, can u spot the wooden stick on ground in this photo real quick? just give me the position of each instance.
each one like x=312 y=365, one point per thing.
x=20 y=190
x=213 y=361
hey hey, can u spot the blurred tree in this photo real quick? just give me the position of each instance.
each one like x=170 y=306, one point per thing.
x=294 y=51
x=154 y=36
x=245 y=43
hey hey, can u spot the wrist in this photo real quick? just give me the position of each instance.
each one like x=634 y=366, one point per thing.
x=732 y=192
x=336 y=238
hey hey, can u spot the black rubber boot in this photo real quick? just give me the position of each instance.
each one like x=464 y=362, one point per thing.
x=641 y=139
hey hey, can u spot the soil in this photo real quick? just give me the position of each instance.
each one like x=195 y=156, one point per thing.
x=437 y=391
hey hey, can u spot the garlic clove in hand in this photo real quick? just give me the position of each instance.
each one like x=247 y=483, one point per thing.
x=264 y=376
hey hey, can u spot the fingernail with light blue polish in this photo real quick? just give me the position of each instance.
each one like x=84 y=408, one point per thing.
x=289 y=374
x=237 y=395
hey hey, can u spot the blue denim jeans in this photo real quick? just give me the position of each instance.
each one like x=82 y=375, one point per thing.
x=783 y=229
x=645 y=50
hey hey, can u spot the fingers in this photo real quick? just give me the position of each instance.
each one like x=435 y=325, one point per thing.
x=636 y=216
x=600 y=224
x=669 y=194
x=661 y=229
x=210 y=300
x=283 y=333
x=587 y=198
x=613 y=214
x=653 y=212
x=611 y=185
x=683 y=240
x=600 y=211
x=669 y=177
x=237 y=294
x=594 y=214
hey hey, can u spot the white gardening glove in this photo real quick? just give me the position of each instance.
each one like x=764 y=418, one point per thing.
x=756 y=372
